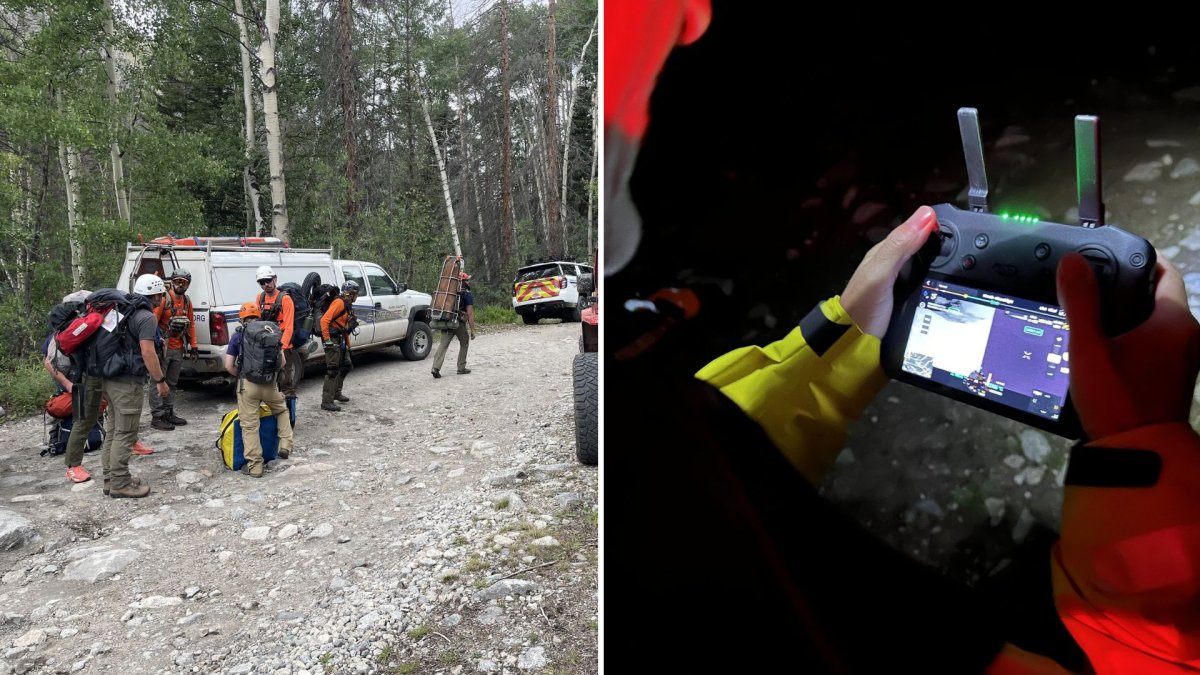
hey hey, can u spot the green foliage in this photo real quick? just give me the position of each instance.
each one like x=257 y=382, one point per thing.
x=27 y=386
x=495 y=314
x=178 y=120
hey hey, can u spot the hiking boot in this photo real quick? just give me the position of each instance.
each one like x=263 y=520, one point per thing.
x=283 y=453
x=341 y=398
x=174 y=419
x=162 y=424
x=330 y=407
x=133 y=489
x=436 y=374
x=78 y=474
x=246 y=470
x=464 y=371
x=142 y=449
x=135 y=482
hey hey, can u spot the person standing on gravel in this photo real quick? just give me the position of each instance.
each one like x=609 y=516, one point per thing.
x=251 y=395
x=275 y=305
x=466 y=307
x=337 y=324
x=175 y=321
x=117 y=360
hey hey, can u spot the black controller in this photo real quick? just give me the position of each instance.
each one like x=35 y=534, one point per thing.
x=977 y=316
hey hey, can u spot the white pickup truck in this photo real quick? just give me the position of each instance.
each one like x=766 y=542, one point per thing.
x=222 y=271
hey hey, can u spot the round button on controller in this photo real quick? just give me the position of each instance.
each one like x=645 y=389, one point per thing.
x=968 y=262
x=981 y=241
x=1042 y=251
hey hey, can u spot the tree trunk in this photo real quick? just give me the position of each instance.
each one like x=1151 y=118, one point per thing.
x=68 y=159
x=270 y=33
x=248 y=180
x=592 y=186
x=566 y=161
x=411 y=89
x=118 y=163
x=349 y=110
x=530 y=127
x=507 y=231
x=551 y=144
x=437 y=153
x=470 y=182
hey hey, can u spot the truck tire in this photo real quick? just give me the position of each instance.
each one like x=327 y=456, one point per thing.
x=310 y=282
x=529 y=319
x=418 y=343
x=584 y=379
x=297 y=368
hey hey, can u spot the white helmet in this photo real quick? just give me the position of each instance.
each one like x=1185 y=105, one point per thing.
x=264 y=272
x=149 y=284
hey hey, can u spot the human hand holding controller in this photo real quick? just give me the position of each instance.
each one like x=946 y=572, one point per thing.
x=977 y=316
x=1145 y=376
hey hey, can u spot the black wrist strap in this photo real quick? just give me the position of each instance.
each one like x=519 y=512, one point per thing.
x=1112 y=467
x=819 y=332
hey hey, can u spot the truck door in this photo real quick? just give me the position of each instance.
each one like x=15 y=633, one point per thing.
x=391 y=318
x=364 y=307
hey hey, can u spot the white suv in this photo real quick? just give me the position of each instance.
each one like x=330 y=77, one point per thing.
x=549 y=288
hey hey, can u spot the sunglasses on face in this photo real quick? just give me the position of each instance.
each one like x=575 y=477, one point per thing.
x=264 y=282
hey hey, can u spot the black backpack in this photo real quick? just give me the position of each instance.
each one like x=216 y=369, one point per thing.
x=301 y=310
x=114 y=353
x=62 y=314
x=262 y=351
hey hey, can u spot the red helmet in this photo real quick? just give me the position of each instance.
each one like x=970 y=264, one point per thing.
x=463 y=276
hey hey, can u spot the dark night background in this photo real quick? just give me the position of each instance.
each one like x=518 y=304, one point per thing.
x=784 y=144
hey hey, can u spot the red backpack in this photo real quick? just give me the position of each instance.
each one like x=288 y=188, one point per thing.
x=79 y=331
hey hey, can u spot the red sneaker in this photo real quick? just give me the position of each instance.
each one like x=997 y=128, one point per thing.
x=78 y=474
x=140 y=449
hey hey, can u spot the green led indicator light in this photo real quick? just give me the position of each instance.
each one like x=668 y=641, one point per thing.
x=1020 y=218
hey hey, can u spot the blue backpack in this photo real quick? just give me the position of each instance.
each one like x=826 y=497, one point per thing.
x=60 y=433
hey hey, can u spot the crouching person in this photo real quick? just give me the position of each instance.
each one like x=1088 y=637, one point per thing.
x=255 y=355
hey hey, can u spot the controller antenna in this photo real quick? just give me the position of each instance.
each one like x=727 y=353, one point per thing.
x=968 y=128
x=1087 y=170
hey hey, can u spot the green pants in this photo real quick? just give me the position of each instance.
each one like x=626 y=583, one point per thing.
x=172 y=363
x=337 y=365
x=85 y=399
x=125 y=412
x=464 y=341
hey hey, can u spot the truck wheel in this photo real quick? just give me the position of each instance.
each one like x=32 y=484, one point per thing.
x=297 y=368
x=529 y=319
x=310 y=282
x=418 y=343
x=587 y=413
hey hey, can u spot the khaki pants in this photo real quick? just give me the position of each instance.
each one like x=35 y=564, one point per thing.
x=337 y=365
x=124 y=414
x=464 y=341
x=172 y=363
x=85 y=400
x=250 y=396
